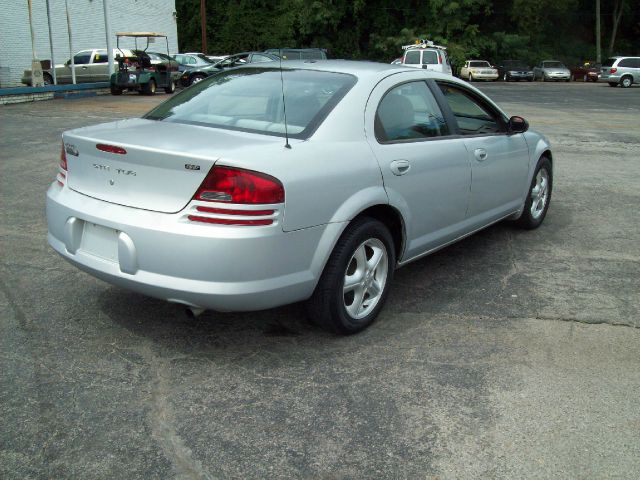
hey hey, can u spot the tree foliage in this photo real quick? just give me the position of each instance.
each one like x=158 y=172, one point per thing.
x=376 y=30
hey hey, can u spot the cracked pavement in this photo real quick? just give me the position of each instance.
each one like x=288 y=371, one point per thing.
x=511 y=354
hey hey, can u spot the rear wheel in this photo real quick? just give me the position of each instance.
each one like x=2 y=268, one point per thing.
x=538 y=196
x=171 y=87
x=149 y=88
x=626 y=81
x=116 y=90
x=355 y=282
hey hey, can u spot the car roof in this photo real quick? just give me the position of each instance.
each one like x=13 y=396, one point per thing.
x=363 y=70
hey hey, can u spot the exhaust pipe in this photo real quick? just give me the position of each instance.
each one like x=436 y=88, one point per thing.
x=194 y=312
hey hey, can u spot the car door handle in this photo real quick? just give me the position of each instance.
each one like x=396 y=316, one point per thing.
x=481 y=154
x=400 y=167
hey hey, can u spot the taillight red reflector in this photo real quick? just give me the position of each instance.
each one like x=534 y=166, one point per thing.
x=63 y=159
x=225 y=211
x=235 y=185
x=111 y=149
x=614 y=70
x=229 y=221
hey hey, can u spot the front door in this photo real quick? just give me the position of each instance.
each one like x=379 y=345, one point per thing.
x=499 y=161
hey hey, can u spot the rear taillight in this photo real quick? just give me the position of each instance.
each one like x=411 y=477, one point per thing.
x=439 y=59
x=234 y=185
x=614 y=70
x=240 y=187
x=61 y=177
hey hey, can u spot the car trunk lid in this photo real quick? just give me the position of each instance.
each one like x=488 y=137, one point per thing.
x=147 y=164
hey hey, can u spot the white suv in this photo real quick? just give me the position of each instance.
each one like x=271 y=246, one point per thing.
x=428 y=56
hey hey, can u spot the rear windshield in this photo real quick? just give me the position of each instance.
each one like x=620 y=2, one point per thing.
x=250 y=99
x=429 y=57
x=609 y=62
x=480 y=64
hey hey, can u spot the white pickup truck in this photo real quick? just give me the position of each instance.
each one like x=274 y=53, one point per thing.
x=91 y=66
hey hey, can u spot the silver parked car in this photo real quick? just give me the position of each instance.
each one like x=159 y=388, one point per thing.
x=623 y=71
x=224 y=198
x=549 y=70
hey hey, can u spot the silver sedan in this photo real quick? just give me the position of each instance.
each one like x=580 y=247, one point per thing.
x=260 y=187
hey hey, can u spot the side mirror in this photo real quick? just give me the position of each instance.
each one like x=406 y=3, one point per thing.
x=518 y=125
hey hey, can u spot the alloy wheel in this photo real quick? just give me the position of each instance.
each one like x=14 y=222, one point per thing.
x=540 y=193
x=365 y=278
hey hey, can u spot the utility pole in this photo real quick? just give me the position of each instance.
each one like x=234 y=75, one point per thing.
x=107 y=31
x=203 y=25
x=53 y=59
x=36 y=67
x=598 y=46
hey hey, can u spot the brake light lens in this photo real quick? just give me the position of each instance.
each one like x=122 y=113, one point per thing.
x=111 y=149
x=614 y=70
x=235 y=185
x=62 y=170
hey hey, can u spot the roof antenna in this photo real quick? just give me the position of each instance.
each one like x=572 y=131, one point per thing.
x=284 y=106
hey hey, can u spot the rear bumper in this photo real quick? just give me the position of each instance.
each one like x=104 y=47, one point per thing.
x=225 y=268
x=610 y=77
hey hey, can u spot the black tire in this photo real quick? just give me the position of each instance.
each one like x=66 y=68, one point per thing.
x=149 y=88
x=196 y=78
x=543 y=78
x=527 y=220
x=626 y=81
x=505 y=78
x=327 y=307
x=613 y=84
x=171 y=88
x=470 y=78
x=47 y=78
x=529 y=79
x=116 y=90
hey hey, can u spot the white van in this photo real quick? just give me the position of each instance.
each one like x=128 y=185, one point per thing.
x=428 y=56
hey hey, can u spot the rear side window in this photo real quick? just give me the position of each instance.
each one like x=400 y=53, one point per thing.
x=629 y=62
x=609 y=62
x=472 y=116
x=250 y=99
x=409 y=112
x=412 y=58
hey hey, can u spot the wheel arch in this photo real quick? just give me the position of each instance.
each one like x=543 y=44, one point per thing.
x=392 y=219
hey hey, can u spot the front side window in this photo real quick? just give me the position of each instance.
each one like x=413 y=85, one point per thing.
x=412 y=58
x=409 y=112
x=250 y=99
x=82 y=58
x=472 y=117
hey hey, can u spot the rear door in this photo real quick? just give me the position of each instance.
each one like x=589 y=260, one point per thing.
x=499 y=161
x=425 y=169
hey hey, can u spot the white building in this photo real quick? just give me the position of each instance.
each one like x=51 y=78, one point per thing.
x=87 y=27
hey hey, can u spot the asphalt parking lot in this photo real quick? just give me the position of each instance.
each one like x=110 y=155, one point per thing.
x=511 y=354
